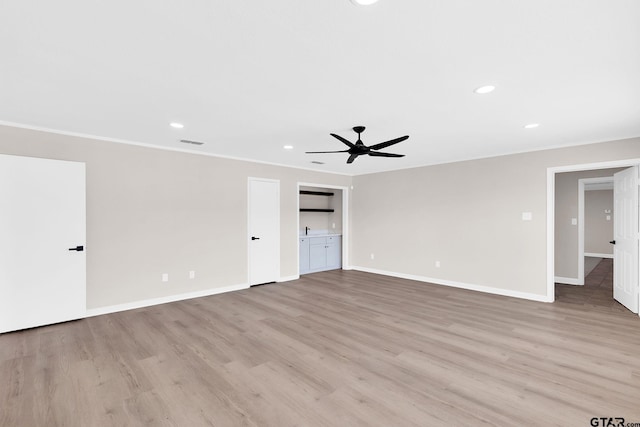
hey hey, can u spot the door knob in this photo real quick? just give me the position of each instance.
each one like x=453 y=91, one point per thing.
x=77 y=248
x=255 y=238
x=613 y=242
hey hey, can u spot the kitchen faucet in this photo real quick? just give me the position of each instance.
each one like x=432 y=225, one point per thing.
x=306 y=230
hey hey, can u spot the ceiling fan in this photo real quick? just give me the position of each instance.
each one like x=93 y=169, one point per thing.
x=359 y=149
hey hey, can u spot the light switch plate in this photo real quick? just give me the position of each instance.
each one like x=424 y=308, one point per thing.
x=574 y=221
x=527 y=216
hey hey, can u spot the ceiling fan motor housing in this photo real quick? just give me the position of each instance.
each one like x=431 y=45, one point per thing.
x=359 y=149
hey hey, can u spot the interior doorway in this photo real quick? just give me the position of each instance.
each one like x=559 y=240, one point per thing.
x=595 y=222
x=555 y=221
x=323 y=211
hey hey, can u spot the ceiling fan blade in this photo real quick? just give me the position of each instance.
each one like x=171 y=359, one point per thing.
x=346 y=142
x=376 y=154
x=352 y=158
x=388 y=143
x=318 y=152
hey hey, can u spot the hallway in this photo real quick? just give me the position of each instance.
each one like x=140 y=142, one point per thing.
x=597 y=292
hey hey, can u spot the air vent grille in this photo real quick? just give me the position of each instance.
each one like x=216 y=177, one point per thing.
x=188 y=141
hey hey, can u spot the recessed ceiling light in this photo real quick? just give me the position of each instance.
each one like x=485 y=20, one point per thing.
x=531 y=126
x=363 y=2
x=288 y=147
x=176 y=125
x=485 y=89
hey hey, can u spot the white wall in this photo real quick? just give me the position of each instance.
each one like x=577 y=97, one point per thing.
x=467 y=215
x=153 y=211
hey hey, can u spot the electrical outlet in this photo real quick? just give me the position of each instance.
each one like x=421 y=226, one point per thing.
x=192 y=274
x=333 y=225
x=165 y=277
x=437 y=264
x=373 y=256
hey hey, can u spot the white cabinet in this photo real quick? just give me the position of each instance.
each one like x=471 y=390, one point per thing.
x=320 y=253
x=304 y=255
x=334 y=252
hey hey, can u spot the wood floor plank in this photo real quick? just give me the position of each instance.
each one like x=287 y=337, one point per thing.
x=337 y=348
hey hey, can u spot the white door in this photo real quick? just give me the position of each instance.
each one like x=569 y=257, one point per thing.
x=264 y=231
x=42 y=216
x=625 y=236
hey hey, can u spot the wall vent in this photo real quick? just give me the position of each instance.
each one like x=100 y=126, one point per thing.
x=188 y=141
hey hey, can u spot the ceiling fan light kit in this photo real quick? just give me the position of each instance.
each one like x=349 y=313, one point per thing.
x=359 y=149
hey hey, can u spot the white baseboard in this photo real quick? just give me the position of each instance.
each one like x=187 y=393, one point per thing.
x=288 y=278
x=591 y=254
x=453 y=284
x=566 y=280
x=162 y=300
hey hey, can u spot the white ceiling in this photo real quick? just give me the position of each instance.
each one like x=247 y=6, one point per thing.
x=248 y=77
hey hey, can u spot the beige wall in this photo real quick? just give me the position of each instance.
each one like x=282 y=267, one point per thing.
x=598 y=231
x=466 y=215
x=566 y=234
x=154 y=211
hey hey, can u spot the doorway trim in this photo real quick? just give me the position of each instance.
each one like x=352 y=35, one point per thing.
x=582 y=187
x=551 y=196
x=345 y=221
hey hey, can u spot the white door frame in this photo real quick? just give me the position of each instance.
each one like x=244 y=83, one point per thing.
x=249 y=180
x=582 y=184
x=345 y=220
x=551 y=195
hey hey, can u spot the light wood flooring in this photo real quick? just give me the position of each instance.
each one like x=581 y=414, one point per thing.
x=338 y=348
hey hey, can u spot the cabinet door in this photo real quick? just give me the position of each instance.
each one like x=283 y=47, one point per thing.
x=317 y=257
x=334 y=252
x=304 y=255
